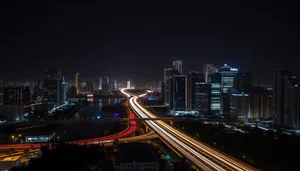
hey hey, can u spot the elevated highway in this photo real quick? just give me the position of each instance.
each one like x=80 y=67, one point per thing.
x=201 y=155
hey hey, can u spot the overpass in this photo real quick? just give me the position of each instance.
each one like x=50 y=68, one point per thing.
x=202 y=156
x=62 y=121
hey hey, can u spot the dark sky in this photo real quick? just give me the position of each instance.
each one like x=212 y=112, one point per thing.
x=137 y=40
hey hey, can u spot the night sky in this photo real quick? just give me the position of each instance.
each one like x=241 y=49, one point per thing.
x=137 y=40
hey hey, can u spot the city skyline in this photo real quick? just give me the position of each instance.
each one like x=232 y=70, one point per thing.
x=103 y=39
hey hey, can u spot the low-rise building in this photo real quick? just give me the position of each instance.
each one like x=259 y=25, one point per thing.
x=136 y=156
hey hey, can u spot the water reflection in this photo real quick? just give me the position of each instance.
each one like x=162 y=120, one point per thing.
x=94 y=109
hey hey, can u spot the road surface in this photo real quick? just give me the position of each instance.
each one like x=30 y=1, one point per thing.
x=201 y=155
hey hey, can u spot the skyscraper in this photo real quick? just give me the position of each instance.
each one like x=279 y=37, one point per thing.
x=77 y=83
x=179 y=91
x=52 y=85
x=128 y=84
x=105 y=85
x=106 y=80
x=209 y=69
x=287 y=99
x=168 y=73
x=115 y=85
x=177 y=65
x=239 y=105
x=227 y=77
x=215 y=81
x=100 y=84
x=262 y=103
x=16 y=95
x=63 y=91
x=243 y=82
x=198 y=93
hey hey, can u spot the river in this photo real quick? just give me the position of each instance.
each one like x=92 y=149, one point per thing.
x=78 y=131
x=94 y=109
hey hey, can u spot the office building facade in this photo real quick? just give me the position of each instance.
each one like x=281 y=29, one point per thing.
x=227 y=77
x=287 y=102
x=63 y=91
x=179 y=91
x=52 y=81
x=16 y=95
x=198 y=93
x=177 y=65
x=243 y=82
x=215 y=102
x=100 y=84
x=238 y=105
x=209 y=69
x=77 y=83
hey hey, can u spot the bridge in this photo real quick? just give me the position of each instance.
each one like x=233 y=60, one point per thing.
x=114 y=120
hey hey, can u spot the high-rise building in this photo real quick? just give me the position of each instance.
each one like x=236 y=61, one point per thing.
x=63 y=91
x=177 y=65
x=77 y=83
x=12 y=112
x=71 y=92
x=115 y=85
x=162 y=91
x=128 y=84
x=106 y=80
x=16 y=95
x=106 y=86
x=198 y=93
x=168 y=95
x=215 y=102
x=179 y=91
x=262 y=103
x=287 y=99
x=95 y=86
x=100 y=84
x=209 y=69
x=88 y=86
x=227 y=77
x=243 y=82
x=52 y=85
x=239 y=105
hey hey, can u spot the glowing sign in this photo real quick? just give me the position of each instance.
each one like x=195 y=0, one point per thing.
x=234 y=69
x=239 y=94
x=90 y=95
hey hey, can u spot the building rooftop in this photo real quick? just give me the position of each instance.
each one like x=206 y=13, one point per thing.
x=135 y=151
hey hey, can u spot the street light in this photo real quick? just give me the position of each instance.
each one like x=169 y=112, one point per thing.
x=20 y=135
x=12 y=137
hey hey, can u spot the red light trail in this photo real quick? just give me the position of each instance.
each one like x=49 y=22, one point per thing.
x=124 y=133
